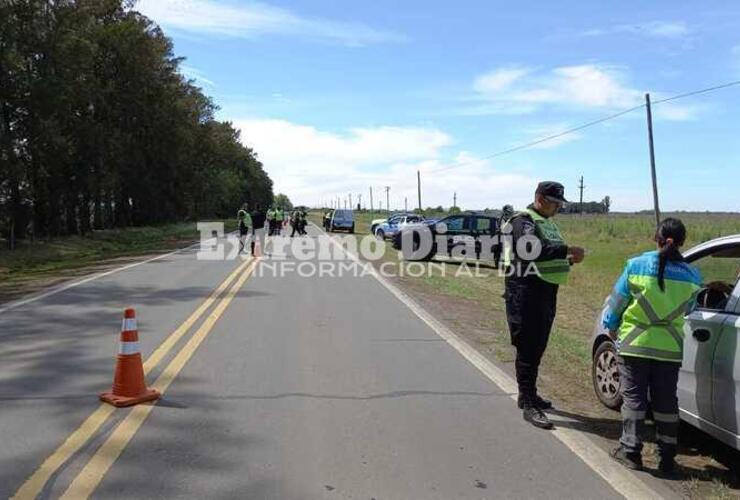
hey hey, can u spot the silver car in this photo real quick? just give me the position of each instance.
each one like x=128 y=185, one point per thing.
x=709 y=380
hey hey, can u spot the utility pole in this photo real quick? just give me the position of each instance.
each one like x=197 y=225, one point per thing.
x=388 y=198
x=652 y=159
x=371 y=199
x=418 y=186
x=580 y=187
x=454 y=200
x=350 y=200
x=359 y=201
x=406 y=204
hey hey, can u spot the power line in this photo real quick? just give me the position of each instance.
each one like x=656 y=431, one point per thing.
x=585 y=125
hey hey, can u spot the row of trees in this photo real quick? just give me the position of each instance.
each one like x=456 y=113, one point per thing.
x=99 y=129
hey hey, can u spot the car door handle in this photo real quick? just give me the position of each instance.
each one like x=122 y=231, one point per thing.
x=701 y=335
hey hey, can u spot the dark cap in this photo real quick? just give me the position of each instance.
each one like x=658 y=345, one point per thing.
x=553 y=191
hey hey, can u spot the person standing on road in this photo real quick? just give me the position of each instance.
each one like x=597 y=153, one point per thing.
x=507 y=212
x=258 y=228
x=279 y=216
x=532 y=283
x=644 y=315
x=244 y=221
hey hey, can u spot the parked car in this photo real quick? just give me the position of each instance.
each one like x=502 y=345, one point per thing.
x=392 y=218
x=341 y=219
x=709 y=379
x=390 y=227
x=460 y=230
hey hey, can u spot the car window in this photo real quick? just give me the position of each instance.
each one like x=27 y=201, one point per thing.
x=720 y=272
x=483 y=225
x=454 y=223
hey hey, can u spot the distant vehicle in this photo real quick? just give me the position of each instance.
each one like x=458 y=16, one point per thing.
x=393 y=217
x=709 y=380
x=459 y=230
x=341 y=219
x=390 y=227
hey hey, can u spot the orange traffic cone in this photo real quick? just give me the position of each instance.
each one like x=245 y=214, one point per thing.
x=129 y=386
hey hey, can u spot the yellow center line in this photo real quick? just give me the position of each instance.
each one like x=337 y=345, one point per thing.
x=77 y=439
x=96 y=468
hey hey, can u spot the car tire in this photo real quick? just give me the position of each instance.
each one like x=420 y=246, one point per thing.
x=352 y=229
x=380 y=234
x=605 y=375
x=373 y=228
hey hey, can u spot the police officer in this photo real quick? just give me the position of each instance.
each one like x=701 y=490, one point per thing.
x=270 y=221
x=644 y=315
x=507 y=212
x=279 y=217
x=258 y=228
x=245 y=221
x=532 y=281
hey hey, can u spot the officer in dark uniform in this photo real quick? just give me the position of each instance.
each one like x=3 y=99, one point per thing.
x=532 y=283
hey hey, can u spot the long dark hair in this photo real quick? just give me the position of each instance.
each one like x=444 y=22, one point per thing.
x=671 y=234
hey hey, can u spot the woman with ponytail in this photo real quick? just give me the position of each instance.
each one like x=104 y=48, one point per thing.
x=645 y=316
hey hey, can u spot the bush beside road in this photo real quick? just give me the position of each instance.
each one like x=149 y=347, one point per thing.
x=473 y=306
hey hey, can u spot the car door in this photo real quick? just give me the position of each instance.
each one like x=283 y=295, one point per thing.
x=726 y=372
x=705 y=331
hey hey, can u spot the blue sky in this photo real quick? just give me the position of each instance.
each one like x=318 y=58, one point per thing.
x=336 y=97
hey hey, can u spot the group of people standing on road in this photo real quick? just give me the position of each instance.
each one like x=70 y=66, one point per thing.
x=252 y=225
x=644 y=316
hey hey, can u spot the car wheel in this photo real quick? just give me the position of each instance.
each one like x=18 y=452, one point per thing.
x=380 y=234
x=352 y=229
x=605 y=375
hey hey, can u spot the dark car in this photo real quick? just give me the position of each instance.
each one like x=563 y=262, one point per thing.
x=463 y=234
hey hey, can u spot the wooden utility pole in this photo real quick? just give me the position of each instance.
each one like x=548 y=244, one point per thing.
x=359 y=201
x=405 y=204
x=371 y=199
x=350 y=200
x=454 y=200
x=652 y=159
x=418 y=186
x=580 y=188
x=388 y=198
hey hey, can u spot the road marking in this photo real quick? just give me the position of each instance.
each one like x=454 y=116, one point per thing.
x=622 y=480
x=93 y=473
x=34 y=485
x=94 y=277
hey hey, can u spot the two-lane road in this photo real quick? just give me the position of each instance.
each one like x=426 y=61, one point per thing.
x=298 y=387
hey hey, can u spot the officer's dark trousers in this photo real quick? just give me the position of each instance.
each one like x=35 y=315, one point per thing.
x=530 y=310
x=658 y=379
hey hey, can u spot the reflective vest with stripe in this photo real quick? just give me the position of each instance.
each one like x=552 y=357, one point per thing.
x=553 y=271
x=653 y=319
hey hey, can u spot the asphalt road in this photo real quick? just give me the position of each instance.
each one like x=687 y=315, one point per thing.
x=302 y=388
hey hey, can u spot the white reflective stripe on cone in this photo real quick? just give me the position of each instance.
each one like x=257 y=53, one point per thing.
x=128 y=325
x=129 y=348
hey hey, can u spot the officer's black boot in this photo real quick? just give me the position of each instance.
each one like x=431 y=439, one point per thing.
x=630 y=460
x=536 y=417
x=541 y=403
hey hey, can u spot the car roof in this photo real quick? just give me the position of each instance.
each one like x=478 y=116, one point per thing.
x=703 y=248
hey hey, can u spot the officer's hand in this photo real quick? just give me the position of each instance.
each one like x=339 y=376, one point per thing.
x=576 y=254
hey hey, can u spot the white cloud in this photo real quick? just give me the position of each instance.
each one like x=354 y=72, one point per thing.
x=230 y=19
x=580 y=87
x=653 y=29
x=311 y=165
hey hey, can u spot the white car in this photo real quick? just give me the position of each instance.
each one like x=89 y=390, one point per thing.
x=395 y=224
x=709 y=380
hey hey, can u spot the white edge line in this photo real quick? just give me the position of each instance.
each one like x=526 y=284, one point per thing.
x=621 y=479
x=67 y=286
